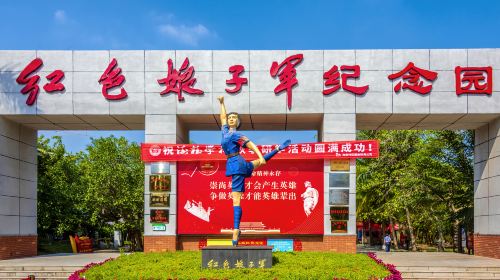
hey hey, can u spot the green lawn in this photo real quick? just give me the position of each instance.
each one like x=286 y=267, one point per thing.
x=187 y=265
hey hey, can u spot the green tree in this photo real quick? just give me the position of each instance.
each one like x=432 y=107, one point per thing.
x=443 y=167
x=422 y=179
x=59 y=190
x=113 y=174
x=379 y=184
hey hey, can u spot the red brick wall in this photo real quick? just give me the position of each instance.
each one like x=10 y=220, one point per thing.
x=18 y=246
x=191 y=243
x=332 y=243
x=160 y=243
x=487 y=245
x=341 y=244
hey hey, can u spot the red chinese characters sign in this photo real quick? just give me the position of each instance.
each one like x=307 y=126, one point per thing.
x=180 y=80
x=468 y=80
x=412 y=79
x=151 y=152
x=112 y=78
x=30 y=81
x=474 y=80
x=287 y=75
x=332 y=83
x=204 y=203
x=236 y=80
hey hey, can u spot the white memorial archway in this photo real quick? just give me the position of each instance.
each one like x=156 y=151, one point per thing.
x=464 y=93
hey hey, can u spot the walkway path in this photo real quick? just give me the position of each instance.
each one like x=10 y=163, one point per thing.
x=420 y=265
x=56 y=266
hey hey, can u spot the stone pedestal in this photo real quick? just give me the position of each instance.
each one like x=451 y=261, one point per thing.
x=216 y=257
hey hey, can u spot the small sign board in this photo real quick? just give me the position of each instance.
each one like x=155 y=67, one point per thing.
x=219 y=242
x=339 y=226
x=159 y=200
x=339 y=213
x=159 y=183
x=339 y=180
x=339 y=165
x=281 y=245
x=160 y=168
x=159 y=227
x=159 y=216
x=339 y=197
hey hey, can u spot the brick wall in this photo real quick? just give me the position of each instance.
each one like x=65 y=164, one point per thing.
x=191 y=243
x=487 y=245
x=341 y=244
x=160 y=243
x=331 y=243
x=18 y=246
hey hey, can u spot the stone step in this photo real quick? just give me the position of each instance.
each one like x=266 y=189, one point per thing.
x=447 y=269
x=39 y=268
x=450 y=275
x=448 y=278
x=45 y=273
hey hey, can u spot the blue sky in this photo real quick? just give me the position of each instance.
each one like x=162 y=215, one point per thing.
x=233 y=25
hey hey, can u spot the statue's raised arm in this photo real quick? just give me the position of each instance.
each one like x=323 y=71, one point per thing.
x=223 y=115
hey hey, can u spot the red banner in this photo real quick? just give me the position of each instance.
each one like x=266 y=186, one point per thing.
x=283 y=197
x=151 y=152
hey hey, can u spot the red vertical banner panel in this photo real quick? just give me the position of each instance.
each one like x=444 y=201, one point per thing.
x=283 y=197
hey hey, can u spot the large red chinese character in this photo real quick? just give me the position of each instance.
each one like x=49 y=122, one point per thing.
x=31 y=83
x=237 y=81
x=55 y=79
x=411 y=79
x=474 y=80
x=179 y=81
x=111 y=78
x=332 y=80
x=286 y=75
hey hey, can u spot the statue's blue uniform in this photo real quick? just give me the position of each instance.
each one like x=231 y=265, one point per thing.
x=236 y=165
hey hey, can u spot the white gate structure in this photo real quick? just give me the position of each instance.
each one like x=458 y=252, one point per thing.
x=447 y=89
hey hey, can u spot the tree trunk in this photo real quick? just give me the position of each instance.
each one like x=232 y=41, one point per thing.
x=383 y=234
x=394 y=235
x=370 y=239
x=458 y=236
x=454 y=235
x=413 y=246
x=441 y=240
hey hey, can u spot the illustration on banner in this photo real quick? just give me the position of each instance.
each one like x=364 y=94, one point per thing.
x=206 y=168
x=311 y=197
x=196 y=208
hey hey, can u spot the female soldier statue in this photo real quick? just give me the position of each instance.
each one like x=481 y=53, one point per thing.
x=236 y=166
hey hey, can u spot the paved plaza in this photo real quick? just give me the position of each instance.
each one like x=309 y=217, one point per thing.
x=59 y=260
x=436 y=259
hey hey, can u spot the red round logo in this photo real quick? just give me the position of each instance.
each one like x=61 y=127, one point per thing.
x=155 y=150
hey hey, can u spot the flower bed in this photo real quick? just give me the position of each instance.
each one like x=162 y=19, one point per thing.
x=295 y=265
x=395 y=274
x=76 y=275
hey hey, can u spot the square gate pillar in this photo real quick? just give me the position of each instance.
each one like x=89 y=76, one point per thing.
x=162 y=129
x=341 y=238
x=18 y=190
x=487 y=190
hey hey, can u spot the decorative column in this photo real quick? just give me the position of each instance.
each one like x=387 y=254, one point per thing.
x=487 y=190
x=340 y=187
x=18 y=190
x=160 y=231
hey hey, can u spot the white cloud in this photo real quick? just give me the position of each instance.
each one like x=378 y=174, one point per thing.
x=60 y=16
x=189 y=35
